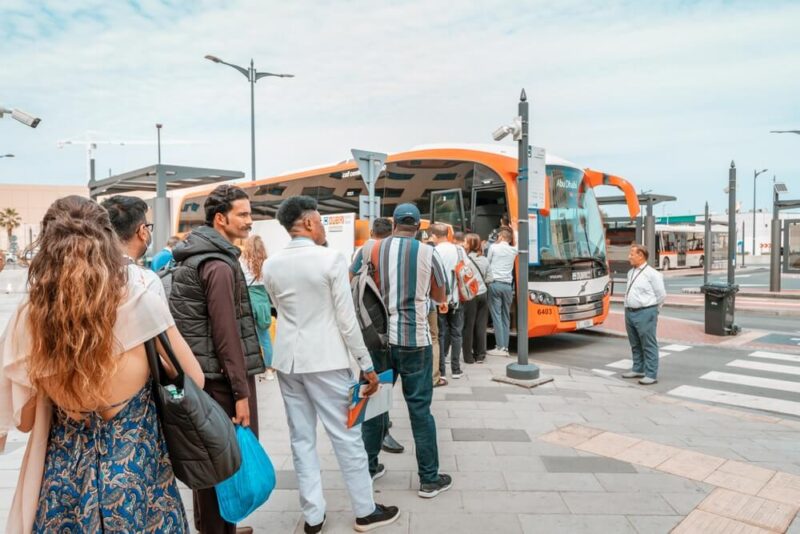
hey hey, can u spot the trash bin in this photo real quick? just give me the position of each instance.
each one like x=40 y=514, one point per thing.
x=720 y=307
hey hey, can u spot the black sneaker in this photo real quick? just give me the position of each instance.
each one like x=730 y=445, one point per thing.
x=383 y=515
x=314 y=529
x=429 y=490
x=379 y=473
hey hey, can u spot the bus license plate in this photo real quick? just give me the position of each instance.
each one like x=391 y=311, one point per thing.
x=587 y=323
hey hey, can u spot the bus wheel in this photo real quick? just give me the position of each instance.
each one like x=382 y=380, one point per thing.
x=702 y=260
x=665 y=265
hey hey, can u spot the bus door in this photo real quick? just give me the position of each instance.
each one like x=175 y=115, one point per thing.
x=680 y=238
x=488 y=207
x=447 y=206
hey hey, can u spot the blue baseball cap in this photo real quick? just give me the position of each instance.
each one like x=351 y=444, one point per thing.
x=406 y=214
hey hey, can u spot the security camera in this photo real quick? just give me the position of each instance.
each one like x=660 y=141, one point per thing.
x=26 y=119
x=501 y=132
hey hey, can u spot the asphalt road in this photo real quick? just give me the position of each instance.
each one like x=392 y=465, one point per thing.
x=789 y=325
x=766 y=381
x=756 y=278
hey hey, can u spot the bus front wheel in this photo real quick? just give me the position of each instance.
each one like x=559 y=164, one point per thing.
x=665 y=265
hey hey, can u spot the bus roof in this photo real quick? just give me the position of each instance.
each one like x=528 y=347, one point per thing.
x=501 y=150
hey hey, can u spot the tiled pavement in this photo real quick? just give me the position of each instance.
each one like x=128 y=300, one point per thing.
x=662 y=459
x=627 y=461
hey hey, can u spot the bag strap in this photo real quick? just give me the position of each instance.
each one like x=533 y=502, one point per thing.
x=374 y=261
x=483 y=278
x=152 y=357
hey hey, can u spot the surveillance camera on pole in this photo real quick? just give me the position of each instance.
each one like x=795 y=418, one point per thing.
x=514 y=128
x=19 y=115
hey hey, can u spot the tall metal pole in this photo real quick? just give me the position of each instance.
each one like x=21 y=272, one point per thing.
x=731 y=223
x=252 y=121
x=158 y=130
x=743 y=234
x=708 y=252
x=755 y=175
x=522 y=370
x=775 y=245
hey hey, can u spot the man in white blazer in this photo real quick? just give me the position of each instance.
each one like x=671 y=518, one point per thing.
x=317 y=332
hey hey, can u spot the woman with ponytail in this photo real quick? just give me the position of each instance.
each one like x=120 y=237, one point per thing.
x=74 y=373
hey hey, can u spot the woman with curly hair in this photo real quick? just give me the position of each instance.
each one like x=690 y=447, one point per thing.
x=75 y=374
x=254 y=254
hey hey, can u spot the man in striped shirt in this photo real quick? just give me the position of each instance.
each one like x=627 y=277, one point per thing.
x=409 y=273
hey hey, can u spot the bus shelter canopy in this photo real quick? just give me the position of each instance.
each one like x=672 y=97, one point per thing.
x=173 y=177
x=644 y=198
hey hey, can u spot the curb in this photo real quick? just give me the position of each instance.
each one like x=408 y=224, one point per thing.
x=756 y=311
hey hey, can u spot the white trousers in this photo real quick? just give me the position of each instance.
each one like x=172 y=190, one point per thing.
x=307 y=396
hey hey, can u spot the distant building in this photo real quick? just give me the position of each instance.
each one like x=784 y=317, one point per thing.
x=31 y=202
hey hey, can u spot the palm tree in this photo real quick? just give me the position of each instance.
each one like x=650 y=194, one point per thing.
x=10 y=219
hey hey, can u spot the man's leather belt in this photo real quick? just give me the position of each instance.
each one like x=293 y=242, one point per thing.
x=642 y=308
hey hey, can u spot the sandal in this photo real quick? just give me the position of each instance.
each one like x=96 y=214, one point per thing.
x=441 y=382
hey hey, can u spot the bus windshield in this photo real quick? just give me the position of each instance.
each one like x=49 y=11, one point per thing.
x=574 y=229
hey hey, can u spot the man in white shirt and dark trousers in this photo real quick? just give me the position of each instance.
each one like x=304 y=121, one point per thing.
x=317 y=333
x=451 y=314
x=502 y=257
x=643 y=298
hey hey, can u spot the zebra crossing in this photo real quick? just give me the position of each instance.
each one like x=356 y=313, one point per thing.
x=754 y=381
x=625 y=364
x=761 y=380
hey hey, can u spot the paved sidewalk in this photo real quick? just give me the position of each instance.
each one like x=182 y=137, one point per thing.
x=512 y=474
x=765 y=305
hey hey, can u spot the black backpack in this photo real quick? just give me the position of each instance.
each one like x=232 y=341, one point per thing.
x=371 y=312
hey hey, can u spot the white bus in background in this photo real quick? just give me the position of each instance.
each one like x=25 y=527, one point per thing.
x=680 y=246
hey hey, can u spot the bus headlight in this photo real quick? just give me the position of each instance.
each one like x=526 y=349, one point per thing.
x=540 y=297
x=609 y=288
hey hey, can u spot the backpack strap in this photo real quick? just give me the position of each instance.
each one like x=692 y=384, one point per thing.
x=374 y=261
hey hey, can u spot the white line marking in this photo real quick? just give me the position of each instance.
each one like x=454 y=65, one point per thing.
x=676 y=348
x=770 y=367
x=620 y=364
x=603 y=372
x=754 y=381
x=775 y=356
x=737 y=399
x=661 y=353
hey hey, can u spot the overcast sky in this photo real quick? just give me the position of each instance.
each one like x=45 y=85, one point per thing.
x=665 y=94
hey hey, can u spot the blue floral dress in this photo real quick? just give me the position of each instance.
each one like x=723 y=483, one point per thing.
x=109 y=476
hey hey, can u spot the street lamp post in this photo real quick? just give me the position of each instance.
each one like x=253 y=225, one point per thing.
x=755 y=175
x=522 y=369
x=252 y=76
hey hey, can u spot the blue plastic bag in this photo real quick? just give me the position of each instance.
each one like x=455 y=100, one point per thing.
x=251 y=485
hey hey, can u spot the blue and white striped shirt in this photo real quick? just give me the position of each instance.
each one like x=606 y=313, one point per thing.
x=405 y=267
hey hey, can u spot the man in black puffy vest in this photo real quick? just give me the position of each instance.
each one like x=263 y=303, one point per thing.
x=211 y=307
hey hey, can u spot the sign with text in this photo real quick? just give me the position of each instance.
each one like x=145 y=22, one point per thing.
x=536 y=178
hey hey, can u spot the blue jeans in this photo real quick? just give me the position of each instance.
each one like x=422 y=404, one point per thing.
x=266 y=345
x=414 y=366
x=500 y=296
x=641 y=326
x=451 y=336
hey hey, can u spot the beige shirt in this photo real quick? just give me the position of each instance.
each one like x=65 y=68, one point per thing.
x=141 y=316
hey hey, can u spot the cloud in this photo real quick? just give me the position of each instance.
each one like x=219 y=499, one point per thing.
x=663 y=93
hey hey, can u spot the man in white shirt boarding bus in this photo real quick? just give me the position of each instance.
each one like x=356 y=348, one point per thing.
x=643 y=298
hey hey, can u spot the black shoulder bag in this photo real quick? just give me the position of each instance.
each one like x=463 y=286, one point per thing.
x=200 y=436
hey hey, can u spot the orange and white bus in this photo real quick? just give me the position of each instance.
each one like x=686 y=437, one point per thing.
x=471 y=188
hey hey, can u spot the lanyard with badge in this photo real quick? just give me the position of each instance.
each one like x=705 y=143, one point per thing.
x=630 y=286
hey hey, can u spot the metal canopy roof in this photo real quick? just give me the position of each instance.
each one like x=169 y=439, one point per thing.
x=146 y=179
x=644 y=198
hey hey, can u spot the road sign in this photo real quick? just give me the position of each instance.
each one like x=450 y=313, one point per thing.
x=370 y=164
